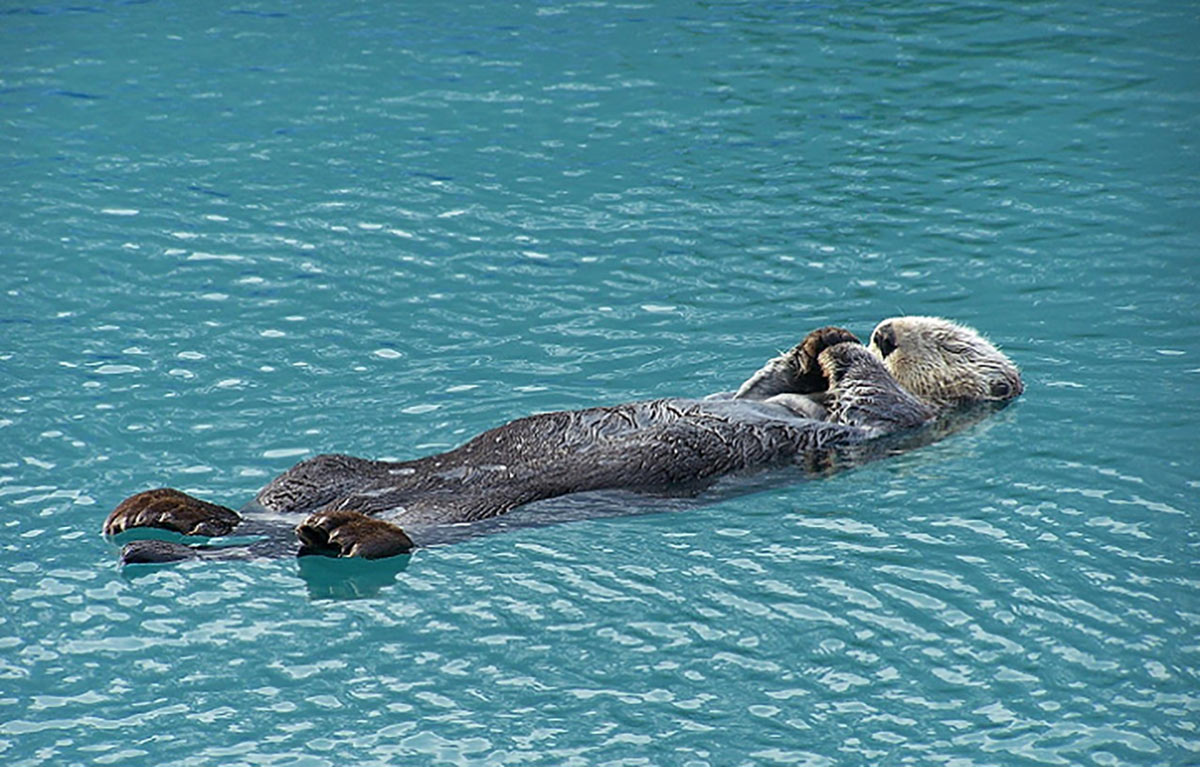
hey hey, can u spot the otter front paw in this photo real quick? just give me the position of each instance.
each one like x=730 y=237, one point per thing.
x=864 y=394
x=351 y=534
x=852 y=363
x=168 y=509
x=812 y=376
x=796 y=371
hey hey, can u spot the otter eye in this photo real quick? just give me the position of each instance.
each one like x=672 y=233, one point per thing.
x=884 y=339
x=1001 y=390
x=955 y=347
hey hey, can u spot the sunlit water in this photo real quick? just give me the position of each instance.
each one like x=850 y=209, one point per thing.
x=233 y=237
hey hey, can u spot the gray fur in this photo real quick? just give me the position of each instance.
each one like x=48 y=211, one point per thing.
x=648 y=446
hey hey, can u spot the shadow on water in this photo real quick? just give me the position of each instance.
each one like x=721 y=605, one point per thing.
x=272 y=535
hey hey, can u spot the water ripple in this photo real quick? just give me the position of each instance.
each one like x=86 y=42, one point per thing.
x=424 y=225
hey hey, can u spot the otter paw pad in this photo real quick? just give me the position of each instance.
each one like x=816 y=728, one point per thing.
x=351 y=534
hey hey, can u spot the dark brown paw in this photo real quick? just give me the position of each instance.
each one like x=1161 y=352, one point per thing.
x=168 y=509
x=812 y=377
x=837 y=361
x=351 y=534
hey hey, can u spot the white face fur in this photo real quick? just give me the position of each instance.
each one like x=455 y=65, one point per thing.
x=944 y=363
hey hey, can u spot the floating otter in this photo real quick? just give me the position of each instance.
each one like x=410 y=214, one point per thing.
x=827 y=396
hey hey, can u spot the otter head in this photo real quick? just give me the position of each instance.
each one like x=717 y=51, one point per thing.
x=944 y=363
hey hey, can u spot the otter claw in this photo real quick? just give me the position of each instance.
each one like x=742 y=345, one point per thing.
x=168 y=509
x=351 y=534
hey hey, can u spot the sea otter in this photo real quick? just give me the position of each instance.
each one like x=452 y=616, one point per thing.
x=828 y=394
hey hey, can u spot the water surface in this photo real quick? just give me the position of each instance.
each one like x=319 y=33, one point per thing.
x=238 y=235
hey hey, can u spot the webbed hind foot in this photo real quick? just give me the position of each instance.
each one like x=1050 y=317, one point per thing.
x=351 y=534
x=167 y=509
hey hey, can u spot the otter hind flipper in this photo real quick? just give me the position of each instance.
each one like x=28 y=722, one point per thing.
x=151 y=551
x=156 y=551
x=351 y=534
x=168 y=509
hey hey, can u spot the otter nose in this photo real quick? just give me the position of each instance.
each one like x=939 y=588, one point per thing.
x=884 y=339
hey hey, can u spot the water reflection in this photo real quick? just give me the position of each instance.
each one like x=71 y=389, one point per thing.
x=346 y=579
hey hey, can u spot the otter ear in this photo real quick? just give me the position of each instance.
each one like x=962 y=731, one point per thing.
x=884 y=339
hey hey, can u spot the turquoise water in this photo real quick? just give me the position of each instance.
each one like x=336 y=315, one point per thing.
x=237 y=235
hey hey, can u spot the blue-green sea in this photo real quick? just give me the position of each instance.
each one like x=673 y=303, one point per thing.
x=236 y=234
